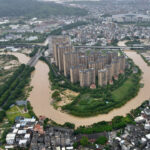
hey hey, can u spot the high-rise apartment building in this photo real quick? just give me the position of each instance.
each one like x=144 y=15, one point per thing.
x=122 y=64
x=97 y=65
x=83 y=60
x=87 y=77
x=115 y=66
x=70 y=59
x=84 y=68
x=109 y=73
x=61 y=51
x=74 y=73
x=93 y=56
x=102 y=77
x=56 y=42
x=110 y=56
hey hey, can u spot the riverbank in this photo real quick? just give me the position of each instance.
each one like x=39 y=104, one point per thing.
x=23 y=59
x=40 y=96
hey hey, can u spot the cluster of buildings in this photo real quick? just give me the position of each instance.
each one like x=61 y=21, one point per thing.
x=136 y=136
x=103 y=32
x=108 y=8
x=85 y=68
x=21 y=133
x=29 y=133
x=130 y=17
x=55 y=138
x=31 y=29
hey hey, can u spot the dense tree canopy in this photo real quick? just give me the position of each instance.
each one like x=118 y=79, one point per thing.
x=14 y=87
x=101 y=140
x=84 y=141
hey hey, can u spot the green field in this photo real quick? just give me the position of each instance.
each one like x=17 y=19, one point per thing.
x=87 y=102
x=120 y=93
x=15 y=111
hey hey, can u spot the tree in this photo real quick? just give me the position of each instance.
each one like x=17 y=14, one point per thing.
x=84 y=141
x=2 y=115
x=69 y=125
x=101 y=140
x=55 y=94
x=75 y=145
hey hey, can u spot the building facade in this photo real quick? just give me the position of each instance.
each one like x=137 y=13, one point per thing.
x=85 y=68
x=87 y=77
x=102 y=77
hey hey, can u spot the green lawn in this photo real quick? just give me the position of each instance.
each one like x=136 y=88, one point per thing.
x=13 y=112
x=121 y=92
x=89 y=104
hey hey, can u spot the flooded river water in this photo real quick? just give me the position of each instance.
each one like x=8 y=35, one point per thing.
x=40 y=96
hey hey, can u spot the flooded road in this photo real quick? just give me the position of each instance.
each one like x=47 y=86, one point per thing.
x=40 y=96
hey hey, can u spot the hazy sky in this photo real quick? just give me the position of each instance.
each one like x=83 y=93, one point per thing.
x=68 y=0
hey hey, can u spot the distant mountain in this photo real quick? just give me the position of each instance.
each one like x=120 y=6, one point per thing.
x=34 y=8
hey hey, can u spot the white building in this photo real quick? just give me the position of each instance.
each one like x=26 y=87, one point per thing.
x=10 y=138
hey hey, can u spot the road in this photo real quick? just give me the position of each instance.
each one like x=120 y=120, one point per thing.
x=32 y=62
x=111 y=47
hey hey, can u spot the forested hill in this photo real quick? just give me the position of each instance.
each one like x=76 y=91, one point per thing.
x=34 y=8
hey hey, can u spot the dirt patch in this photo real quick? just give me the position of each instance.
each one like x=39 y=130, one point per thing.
x=122 y=43
x=69 y=92
x=67 y=96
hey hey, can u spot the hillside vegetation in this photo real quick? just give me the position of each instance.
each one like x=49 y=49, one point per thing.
x=34 y=8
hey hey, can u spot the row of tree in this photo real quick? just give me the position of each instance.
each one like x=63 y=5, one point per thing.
x=14 y=87
x=68 y=27
x=117 y=122
x=35 y=50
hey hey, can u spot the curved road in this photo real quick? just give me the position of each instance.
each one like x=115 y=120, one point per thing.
x=40 y=96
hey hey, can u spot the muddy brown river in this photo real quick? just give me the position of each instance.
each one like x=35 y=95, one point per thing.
x=40 y=96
